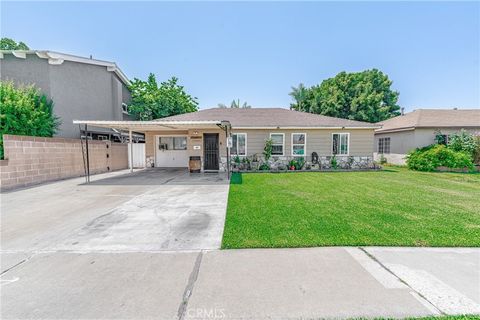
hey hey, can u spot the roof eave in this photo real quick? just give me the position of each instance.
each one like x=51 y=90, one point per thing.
x=299 y=127
x=57 y=58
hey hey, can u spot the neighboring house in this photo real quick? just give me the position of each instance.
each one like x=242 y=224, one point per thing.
x=416 y=129
x=81 y=88
x=171 y=141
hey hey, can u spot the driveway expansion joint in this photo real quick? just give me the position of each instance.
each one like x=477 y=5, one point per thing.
x=189 y=288
x=371 y=256
x=17 y=264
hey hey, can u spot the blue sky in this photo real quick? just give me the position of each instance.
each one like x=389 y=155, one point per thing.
x=256 y=51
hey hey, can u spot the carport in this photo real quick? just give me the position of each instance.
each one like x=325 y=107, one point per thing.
x=209 y=141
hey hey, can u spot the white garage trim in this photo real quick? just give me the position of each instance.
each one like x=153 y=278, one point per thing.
x=171 y=158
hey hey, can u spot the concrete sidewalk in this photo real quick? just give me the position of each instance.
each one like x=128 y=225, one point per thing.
x=240 y=284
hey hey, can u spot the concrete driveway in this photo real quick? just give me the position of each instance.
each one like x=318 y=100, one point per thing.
x=139 y=246
x=149 y=210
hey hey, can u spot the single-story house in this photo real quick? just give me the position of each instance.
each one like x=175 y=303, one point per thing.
x=399 y=135
x=216 y=135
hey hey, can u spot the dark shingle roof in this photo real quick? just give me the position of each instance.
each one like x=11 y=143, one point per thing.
x=268 y=117
x=433 y=118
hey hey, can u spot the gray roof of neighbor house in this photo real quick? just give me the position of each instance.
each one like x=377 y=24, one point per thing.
x=57 y=58
x=269 y=118
x=432 y=118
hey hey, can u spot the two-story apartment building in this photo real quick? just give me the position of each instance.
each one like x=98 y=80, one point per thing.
x=81 y=88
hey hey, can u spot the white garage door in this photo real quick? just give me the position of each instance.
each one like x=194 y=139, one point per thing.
x=171 y=151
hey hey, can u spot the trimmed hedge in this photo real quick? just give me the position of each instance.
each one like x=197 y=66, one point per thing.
x=434 y=156
x=25 y=111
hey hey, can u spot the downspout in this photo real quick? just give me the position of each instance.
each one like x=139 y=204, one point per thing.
x=226 y=126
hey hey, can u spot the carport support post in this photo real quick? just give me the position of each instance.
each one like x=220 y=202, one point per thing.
x=88 y=159
x=130 y=140
x=227 y=135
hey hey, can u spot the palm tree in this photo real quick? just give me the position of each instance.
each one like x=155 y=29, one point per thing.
x=300 y=95
x=235 y=105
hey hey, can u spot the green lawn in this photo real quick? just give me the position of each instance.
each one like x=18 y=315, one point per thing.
x=394 y=207
x=459 y=317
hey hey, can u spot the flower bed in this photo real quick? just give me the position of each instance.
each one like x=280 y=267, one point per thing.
x=257 y=163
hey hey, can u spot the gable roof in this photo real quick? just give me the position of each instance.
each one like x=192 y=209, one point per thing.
x=57 y=58
x=432 y=118
x=269 y=118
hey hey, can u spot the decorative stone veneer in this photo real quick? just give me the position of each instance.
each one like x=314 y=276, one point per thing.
x=150 y=161
x=324 y=163
x=223 y=164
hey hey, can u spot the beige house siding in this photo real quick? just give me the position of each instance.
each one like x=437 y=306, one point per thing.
x=403 y=142
x=318 y=140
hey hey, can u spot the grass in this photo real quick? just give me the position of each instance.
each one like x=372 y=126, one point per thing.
x=446 y=317
x=459 y=317
x=394 y=207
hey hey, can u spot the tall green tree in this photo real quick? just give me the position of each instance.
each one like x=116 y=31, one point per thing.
x=151 y=101
x=364 y=96
x=25 y=111
x=235 y=105
x=10 y=44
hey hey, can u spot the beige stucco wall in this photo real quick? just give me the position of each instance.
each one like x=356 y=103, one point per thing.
x=400 y=142
x=426 y=136
x=194 y=138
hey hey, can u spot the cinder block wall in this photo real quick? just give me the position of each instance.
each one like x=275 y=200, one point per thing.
x=33 y=160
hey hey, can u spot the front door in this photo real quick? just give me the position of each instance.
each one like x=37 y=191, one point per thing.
x=210 y=151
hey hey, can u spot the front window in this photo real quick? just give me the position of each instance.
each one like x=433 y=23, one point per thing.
x=298 y=144
x=278 y=140
x=384 y=145
x=239 y=144
x=172 y=143
x=340 y=143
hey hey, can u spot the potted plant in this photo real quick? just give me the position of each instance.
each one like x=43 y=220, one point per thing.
x=292 y=165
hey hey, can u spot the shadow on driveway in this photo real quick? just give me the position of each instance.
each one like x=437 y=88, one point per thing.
x=164 y=176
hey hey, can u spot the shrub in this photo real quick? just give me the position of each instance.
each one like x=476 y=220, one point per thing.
x=434 y=156
x=383 y=160
x=462 y=141
x=25 y=111
x=333 y=162
x=264 y=167
x=476 y=153
x=267 y=150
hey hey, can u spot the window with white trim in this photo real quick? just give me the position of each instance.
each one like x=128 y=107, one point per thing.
x=299 y=144
x=239 y=144
x=124 y=108
x=340 y=143
x=172 y=143
x=278 y=141
x=384 y=145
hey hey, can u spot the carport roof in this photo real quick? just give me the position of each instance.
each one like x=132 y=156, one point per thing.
x=141 y=126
